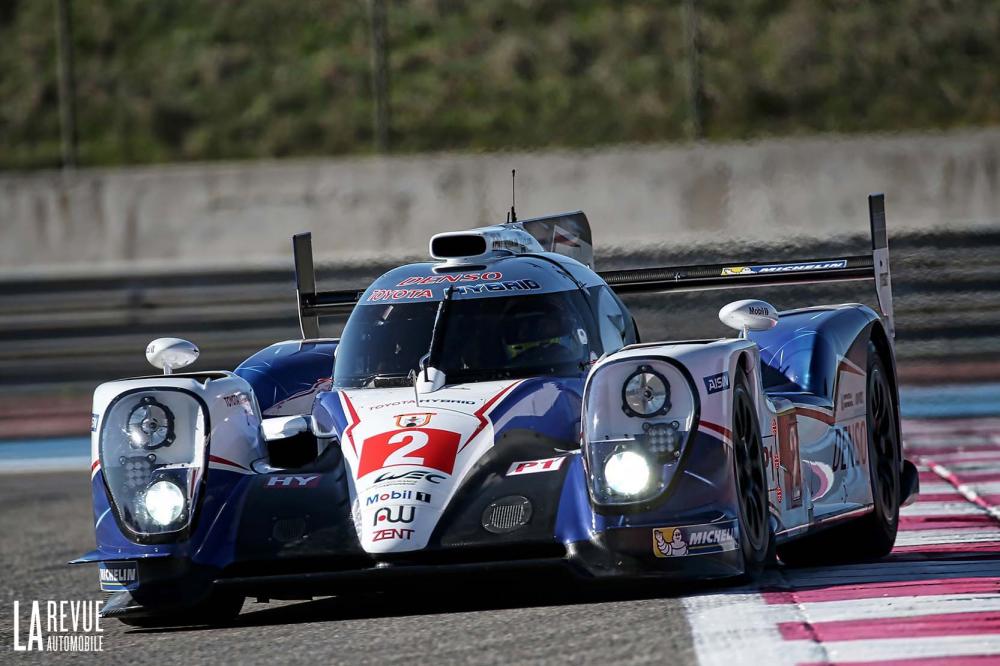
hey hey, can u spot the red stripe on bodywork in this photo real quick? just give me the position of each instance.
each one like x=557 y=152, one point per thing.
x=725 y=432
x=481 y=412
x=97 y=463
x=224 y=461
x=811 y=413
x=941 y=624
x=354 y=422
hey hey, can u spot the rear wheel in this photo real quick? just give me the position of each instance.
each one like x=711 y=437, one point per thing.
x=751 y=481
x=872 y=535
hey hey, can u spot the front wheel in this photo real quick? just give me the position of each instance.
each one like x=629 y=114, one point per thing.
x=751 y=482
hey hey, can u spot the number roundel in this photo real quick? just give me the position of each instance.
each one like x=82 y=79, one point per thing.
x=420 y=447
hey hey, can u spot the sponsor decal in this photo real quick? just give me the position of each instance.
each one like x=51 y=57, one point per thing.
x=716 y=383
x=420 y=447
x=398 y=495
x=238 y=400
x=850 y=446
x=785 y=268
x=442 y=401
x=757 y=311
x=409 y=478
x=694 y=539
x=399 y=294
x=402 y=534
x=413 y=420
x=116 y=576
x=510 y=285
x=59 y=626
x=536 y=466
x=451 y=279
x=394 y=514
x=94 y=418
x=293 y=481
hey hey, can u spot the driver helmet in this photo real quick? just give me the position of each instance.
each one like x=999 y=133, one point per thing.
x=531 y=325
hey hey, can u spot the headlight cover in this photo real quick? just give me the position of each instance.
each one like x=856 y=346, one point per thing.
x=639 y=413
x=152 y=450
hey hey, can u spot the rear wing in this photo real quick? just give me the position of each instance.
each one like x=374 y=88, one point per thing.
x=875 y=266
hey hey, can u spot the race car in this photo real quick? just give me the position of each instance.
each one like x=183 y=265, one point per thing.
x=493 y=414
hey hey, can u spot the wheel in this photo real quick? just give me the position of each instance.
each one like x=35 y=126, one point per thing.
x=871 y=536
x=217 y=609
x=751 y=482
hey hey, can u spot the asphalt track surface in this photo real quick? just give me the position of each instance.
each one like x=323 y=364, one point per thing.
x=935 y=600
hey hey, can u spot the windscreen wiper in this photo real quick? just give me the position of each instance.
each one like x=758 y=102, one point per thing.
x=437 y=333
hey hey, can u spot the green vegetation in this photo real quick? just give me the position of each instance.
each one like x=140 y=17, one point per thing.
x=175 y=80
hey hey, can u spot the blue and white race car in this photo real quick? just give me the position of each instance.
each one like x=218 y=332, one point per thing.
x=493 y=413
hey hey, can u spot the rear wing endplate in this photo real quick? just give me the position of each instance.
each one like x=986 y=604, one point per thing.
x=874 y=266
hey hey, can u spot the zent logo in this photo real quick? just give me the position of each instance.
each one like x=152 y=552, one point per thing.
x=421 y=447
x=392 y=533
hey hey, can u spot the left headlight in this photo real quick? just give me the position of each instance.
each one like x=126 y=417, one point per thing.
x=639 y=414
x=153 y=448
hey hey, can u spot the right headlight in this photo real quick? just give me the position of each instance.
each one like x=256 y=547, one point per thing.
x=639 y=415
x=152 y=449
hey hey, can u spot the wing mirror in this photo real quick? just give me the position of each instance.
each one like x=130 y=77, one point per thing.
x=749 y=315
x=282 y=427
x=169 y=354
x=427 y=379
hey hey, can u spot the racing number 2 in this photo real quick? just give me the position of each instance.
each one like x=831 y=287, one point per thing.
x=421 y=447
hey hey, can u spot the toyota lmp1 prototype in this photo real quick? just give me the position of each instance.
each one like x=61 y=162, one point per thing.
x=493 y=413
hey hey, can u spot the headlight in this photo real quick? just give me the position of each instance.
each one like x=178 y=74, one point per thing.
x=646 y=393
x=150 y=425
x=639 y=415
x=164 y=502
x=153 y=453
x=627 y=473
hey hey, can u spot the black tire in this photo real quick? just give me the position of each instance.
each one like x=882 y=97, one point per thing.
x=218 y=609
x=871 y=536
x=751 y=482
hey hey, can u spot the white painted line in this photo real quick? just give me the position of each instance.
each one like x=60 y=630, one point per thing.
x=729 y=629
x=937 y=488
x=935 y=537
x=907 y=648
x=898 y=607
x=959 y=508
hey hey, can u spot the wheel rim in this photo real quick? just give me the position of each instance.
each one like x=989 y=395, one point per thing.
x=750 y=473
x=884 y=446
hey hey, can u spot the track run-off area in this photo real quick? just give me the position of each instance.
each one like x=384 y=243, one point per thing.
x=934 y=600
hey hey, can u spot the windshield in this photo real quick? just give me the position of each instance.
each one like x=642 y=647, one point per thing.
x=484 y=339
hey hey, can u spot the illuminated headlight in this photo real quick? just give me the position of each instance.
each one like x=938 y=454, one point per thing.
x=627 y=473
x=164 y=502
x=646 y=393
x=150 y=425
